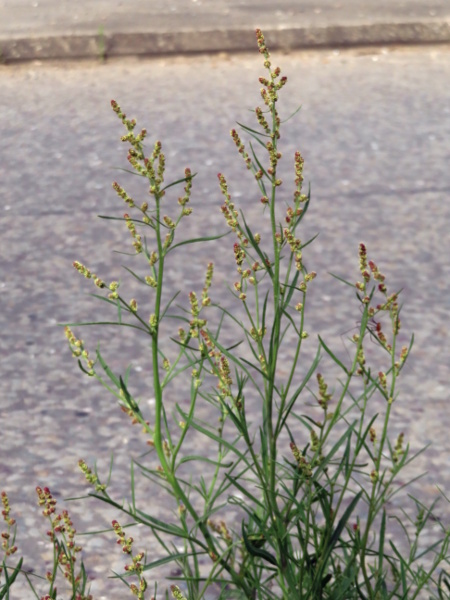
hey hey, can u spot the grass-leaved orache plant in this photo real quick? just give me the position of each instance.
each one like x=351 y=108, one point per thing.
x=296 y=484
x=310 y=489
x=65 y=550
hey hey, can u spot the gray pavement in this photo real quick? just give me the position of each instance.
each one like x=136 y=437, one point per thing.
x=374 y=130
x=62 y=29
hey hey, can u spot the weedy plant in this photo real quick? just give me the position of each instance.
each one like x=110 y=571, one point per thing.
x=310 y=489
x=65 y=551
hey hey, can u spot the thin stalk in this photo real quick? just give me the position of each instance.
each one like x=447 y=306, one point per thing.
x=271 y=437
x=371 y=511
x=293 y=368
x=159 y=410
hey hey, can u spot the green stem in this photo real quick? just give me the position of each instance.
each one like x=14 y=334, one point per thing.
x=159 y=410
x=376 y=484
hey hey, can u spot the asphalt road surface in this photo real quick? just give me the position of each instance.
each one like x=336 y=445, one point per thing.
x=373 y=128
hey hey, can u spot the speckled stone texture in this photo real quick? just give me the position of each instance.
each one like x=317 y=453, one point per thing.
x=374 y=130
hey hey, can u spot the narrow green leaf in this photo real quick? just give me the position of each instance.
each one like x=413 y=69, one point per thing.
x=169 y=304
x=305 y=419
x=127 y=374
x=255 y=551
x=333 y=356
x=292 y=287
x=146 y=519
x=352 y=285
x=345 y=462
x=381 y=544
x=200 y=239
x=108 y=218
x=310 y=241
x=125 y=253
x=253 y=366
x=340 y=526
x=111 y=464
x=10 y=579
x=243 y=490
x=107 y=370
x=183 y=180
x=173 y=557
x=127 y=396
x=443 y=580
x=86 y=323
x=239 y=422
x=258 y=140
x=333 y=451
x=80 y=364
x=211 y=435
x=255 y=246
x=199 y=458
x=250 y=130
x=103 y=299
x=292 y=115
x=141 y=279
x=322 y=495
x=258 y=163
x=128 y=171
x=298 y=391
x=119 y=311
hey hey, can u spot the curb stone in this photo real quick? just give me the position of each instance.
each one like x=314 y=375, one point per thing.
x=150 y=43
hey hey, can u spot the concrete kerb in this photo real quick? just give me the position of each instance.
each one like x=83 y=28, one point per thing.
x=150 y=43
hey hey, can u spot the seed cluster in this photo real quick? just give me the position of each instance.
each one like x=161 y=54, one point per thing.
x=136 y=565
x=62 y=535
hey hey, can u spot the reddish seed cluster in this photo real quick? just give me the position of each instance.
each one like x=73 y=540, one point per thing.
x=7 y=536
x=130 y=124
x=90 y=476
x=6 y=510
x=262 y=120
x=239 y=255
x=168 y=222
x=176 y=592
x=136 y=565
x=224 y=374
x=78 y=350
x=241 y=148
x=261 y=42
x=195 y=310
x=61 y=525
x=195 y=323
x=362 y=257
x=46 y=500
x=228 y=209
x=383 y=380
x=299 y=162
x=185 y=199
x=123 y=541
x=222 y=529
x=206 y=300
x=274 y=157
x=137 y=243
x=324 y=395
x=87 y=273
x=398 y=449
x=122 y=194
x=368 y=270
x=302 y=463
x=207 y=344
x=315 y=442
